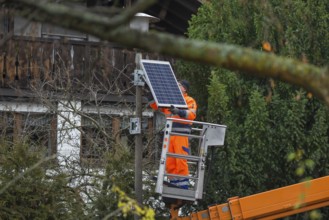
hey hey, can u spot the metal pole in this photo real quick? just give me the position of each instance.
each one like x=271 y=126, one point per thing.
x=141 y=23
x=138 y=142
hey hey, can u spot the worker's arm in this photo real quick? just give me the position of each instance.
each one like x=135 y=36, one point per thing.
x=190 y=113
x=153 y=105
x=192 y=108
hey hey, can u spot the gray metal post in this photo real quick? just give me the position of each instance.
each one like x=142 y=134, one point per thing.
x=141 y=23
x=138 y=141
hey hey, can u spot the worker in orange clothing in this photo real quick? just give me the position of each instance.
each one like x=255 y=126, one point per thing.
x=179 y=144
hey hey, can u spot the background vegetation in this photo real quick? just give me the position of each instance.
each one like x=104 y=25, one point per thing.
x=268 y=121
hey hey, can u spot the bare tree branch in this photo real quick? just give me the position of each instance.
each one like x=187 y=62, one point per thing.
x=64 y=15
x=232 y=57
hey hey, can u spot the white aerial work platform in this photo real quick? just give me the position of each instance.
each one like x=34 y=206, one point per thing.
x=208 y=135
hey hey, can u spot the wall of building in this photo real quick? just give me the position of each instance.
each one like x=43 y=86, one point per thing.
x=46 y=71
x=66 y=129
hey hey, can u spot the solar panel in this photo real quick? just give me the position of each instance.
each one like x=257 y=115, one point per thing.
x=163 y=84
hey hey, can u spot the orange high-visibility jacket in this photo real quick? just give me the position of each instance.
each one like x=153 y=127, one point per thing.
x=179 y=144
x=191 y=112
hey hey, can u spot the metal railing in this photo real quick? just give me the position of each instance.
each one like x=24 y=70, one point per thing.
x=208 y=134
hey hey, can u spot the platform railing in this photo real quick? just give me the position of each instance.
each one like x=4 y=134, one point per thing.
x=208 y=134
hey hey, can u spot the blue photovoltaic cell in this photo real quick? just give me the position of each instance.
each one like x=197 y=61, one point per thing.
x=162 y=81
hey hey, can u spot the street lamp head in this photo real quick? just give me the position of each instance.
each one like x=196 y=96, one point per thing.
x=141 y=21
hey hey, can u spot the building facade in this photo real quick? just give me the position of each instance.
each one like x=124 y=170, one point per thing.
x=69 y=91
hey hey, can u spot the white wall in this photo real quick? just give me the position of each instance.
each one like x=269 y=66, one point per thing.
x=22 y=107
x=68 y=133
x=68 y=121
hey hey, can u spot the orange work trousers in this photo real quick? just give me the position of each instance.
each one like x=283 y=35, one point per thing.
x=178 y=145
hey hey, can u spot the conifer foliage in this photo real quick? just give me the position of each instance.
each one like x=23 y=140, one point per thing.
x=32 y=186
x=277 y=134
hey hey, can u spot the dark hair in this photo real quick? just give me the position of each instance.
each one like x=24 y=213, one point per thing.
x=185 y=84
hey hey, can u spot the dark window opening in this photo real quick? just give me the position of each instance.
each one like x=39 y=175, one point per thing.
x=39 y=130
x=96 y=138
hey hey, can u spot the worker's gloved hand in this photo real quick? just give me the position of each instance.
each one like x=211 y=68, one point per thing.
x=174 y=110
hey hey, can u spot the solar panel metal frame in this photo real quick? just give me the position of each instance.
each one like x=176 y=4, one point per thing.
x=175 y=91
